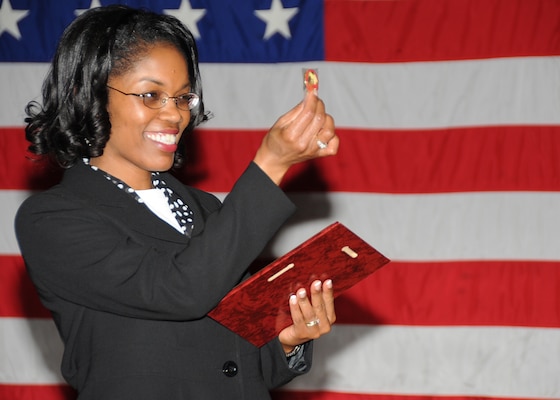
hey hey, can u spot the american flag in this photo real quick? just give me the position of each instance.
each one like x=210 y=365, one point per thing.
x=449 y=117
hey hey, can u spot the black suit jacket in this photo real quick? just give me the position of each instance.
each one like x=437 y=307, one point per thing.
x=129 y=294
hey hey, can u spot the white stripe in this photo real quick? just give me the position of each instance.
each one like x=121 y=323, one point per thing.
x=10 y=200
x=23 y=82
x=477 y=361
x=31 y=351
x=451 y=361
x=504 y=91
x=457 y=226
x=435 y=227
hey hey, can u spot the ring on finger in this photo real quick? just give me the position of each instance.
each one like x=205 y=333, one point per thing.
x=322 y=145
x=312 y=323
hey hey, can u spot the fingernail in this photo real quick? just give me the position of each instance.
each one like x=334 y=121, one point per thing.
x=293 y=299
x=317 y=285
x=302 y=293
x=328 y=283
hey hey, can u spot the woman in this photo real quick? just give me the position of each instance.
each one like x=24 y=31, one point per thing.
x=128 y=259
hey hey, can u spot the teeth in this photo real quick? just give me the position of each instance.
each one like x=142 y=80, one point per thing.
x=165 y=138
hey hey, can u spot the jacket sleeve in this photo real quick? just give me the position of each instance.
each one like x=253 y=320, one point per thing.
x=83 y=255
x=277 y=368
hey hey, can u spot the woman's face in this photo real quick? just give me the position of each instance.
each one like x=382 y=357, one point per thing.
x=142 y=139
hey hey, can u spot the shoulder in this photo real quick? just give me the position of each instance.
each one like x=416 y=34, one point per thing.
x=45 y=200
x=42 y=210
x=78 y=190
x=43 y=204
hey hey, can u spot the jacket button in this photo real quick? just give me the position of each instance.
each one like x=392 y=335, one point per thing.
x=229 y=369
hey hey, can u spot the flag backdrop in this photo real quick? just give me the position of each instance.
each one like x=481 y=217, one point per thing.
x=448 y=113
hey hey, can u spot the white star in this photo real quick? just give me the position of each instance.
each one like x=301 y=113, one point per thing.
x=277 y=18
x=94 y=4
x=9 y=19
x=188 y=16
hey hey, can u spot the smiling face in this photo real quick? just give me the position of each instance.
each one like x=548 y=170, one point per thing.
x=144 y=140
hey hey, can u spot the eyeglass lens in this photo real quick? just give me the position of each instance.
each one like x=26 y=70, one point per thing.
x=159 y=99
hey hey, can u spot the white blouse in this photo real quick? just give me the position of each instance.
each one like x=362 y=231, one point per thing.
x=157 y=202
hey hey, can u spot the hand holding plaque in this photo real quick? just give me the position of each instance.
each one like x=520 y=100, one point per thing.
x=258 y=309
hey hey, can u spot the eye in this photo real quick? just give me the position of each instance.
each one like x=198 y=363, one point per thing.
x=154 y=99
x=152 y=95
x=190 y=100
x=185 y=98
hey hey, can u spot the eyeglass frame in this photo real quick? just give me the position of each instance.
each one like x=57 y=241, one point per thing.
x=164 y=99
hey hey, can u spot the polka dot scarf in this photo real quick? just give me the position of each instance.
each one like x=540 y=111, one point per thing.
x=183 y=214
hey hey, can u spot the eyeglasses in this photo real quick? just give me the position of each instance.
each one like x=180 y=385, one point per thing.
x=157 y=99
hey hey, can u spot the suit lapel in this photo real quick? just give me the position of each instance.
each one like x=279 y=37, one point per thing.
x=98 y=192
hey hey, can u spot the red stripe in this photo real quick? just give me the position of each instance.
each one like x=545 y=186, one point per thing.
x=430 y=30
x=311 y=395
x=432 y=161
x=17 y=171
x=63 y=392
x=435 y=161
x=36 y=392
x=18 y=297
x=477 y=293
x=481 y=293
x=511 y=158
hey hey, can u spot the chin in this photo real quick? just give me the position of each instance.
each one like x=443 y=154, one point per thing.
x=162 y=165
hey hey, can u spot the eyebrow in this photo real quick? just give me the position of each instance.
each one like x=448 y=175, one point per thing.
x=187 y=86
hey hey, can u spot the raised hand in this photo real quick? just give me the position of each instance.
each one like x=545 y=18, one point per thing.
x=303 y=133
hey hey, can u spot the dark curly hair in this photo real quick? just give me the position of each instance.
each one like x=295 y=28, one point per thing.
x=73 y=121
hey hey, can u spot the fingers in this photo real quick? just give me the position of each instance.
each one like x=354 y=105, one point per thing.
x=319 y=306
x=306 y=124
x=322 y=302
x=303 y=133
x=312 y=314
x=320 y=130
x=305 y=121
x=327 y=298
x=326 y=140
x=301 y=115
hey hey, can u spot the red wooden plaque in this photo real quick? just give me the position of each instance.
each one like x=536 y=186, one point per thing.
x=257 y=308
